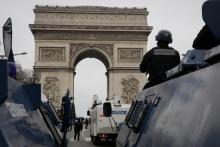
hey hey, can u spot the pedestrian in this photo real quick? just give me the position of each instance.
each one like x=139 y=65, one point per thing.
x=77 y=130
x=81 y=124
x=86 y=121
x=159 y=59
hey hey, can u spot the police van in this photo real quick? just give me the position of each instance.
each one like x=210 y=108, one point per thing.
x=105 y=129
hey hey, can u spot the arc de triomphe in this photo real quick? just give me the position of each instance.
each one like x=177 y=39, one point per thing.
x=66 y=35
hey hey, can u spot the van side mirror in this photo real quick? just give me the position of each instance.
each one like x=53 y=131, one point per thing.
x=88 y=113
x=107 y=109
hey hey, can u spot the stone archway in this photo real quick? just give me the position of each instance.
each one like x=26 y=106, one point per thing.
x=102 y=52
x=66 y=35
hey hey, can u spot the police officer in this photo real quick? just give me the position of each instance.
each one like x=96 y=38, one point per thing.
x=77 y=130
x=209 y=35
x=159 y=59
x=205 y=39
x=87 y=122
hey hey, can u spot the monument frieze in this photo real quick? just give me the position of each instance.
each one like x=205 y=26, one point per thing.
x=52 y=54
x=65 y=18
x=130 y=55
x=87 y=14
x=91 y=36
x=87 y=27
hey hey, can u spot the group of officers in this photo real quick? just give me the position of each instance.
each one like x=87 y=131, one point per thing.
x=163 y=57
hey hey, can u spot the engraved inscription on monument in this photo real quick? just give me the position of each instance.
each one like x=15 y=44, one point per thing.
x=129 y=55
x=52 y=54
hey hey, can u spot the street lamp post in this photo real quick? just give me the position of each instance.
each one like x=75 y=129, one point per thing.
x=23 y=53
x=16 y=54
x=12 y=72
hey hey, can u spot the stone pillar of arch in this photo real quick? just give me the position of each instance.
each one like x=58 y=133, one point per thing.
x=66 y=35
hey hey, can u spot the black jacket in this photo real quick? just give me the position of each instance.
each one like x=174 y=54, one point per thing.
x=205 y=39
x=158 y=60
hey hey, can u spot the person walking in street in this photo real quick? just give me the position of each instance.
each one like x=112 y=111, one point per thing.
x=87 y=122
x=77 y=130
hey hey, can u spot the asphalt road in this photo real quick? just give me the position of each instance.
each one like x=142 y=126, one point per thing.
x=85 y=140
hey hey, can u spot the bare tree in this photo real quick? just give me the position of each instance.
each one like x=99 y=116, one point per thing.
x=24 y=75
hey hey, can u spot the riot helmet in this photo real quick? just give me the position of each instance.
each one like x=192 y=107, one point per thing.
x=164 y=36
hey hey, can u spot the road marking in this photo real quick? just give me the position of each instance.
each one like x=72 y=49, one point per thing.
x=72 y=139
x=83 y=136
x=88 y=139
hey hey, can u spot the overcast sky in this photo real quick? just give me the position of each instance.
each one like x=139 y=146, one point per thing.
x=182 y=17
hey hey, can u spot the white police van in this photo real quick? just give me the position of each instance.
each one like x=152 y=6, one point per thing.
x=105 y=129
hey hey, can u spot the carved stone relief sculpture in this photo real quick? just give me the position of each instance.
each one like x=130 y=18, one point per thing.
x=129 y=89
x=52 y=54
x=108 y=48
x=51 y=89
x=129 y=55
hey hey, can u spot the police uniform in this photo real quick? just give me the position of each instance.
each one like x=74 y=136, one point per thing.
x=158 y=60
x=205 y=39
x=77 y=130
x=209 y=35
